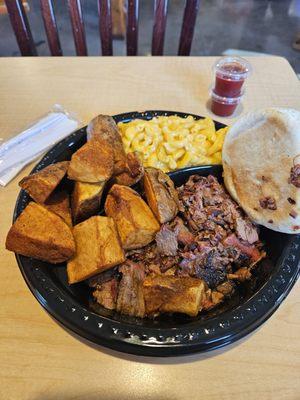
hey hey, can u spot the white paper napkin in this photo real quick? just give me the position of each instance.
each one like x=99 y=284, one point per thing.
x=30 y=144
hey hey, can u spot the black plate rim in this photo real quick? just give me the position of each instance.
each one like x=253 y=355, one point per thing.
x=218 y=332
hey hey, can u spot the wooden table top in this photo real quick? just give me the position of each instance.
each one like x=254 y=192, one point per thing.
x=39 y=359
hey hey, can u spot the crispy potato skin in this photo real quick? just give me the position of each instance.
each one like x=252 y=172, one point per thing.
x=85 y=200
x=41 y=184
x=104 y=127
x=98 y=248
x=134 y=171
x=151 y=196
x=134 y=219
x=160 y=194
x=59 y=203
x=41 y=234
x=93 y=162
x=173 y=294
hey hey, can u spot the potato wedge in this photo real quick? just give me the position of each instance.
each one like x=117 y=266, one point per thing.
x=98 y=248
x=173 y=294
x=161 y=194
x=41 y=234
x=134 y=219
x=85 y=201
x=93 y=162
x=59 y=203
x=104 y=127
x=133 y=173
x=41 y=184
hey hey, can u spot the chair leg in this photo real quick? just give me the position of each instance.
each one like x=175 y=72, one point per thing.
x=21 y=27
x=188 y=26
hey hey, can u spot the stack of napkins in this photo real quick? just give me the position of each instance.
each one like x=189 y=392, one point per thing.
x=19 y=151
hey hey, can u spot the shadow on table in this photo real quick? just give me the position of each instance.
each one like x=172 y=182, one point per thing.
x=158 y=360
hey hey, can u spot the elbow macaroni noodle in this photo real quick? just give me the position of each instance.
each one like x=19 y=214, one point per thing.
x=173 y=142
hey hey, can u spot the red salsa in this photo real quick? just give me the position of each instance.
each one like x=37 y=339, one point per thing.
x=224 y=106
x=222 y=109
x=230 y=79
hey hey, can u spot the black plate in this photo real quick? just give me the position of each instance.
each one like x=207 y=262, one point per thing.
x=176 y=335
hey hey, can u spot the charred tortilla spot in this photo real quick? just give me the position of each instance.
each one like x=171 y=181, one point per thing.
x=268 y=202
x=270 y=221
x=294 y=178
x=291 y=201
x=293 y=214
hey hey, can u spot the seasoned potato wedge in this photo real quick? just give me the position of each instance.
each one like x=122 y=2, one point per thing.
x=93 y=162
x=160 y=194
x=41 y=234
x=59 y=203
x=173 y=294
x=133 y=173
x=86 y=198
x=98 y=248
x=135 y=221
x=41 y=184
x=104 y=127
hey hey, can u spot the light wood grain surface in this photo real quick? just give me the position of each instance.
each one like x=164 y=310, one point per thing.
x=42 y=361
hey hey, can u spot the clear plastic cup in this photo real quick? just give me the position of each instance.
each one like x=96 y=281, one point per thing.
x=224 y=106
x=231 y=73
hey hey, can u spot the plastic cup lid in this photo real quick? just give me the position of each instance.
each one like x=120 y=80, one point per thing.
x=226 y=100
x=236 y=68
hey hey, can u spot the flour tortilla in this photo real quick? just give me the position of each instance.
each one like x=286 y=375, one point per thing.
x=258 y=153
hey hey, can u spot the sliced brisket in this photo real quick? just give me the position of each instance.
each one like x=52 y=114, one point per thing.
x=106 y=294
x=166 y=241
x=130 y=297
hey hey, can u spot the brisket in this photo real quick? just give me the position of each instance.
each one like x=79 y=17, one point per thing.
x=212 y=240
x=106 y=294
x=166 y=241
x=130 y=297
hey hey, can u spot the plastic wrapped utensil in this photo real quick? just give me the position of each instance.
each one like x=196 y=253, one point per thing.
x=30 y=144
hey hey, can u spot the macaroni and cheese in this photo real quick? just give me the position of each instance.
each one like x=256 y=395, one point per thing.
x=173 y=142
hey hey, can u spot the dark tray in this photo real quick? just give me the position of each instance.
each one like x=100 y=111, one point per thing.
x=166 y=336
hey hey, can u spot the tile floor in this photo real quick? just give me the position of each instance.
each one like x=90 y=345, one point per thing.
x=267 y=26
